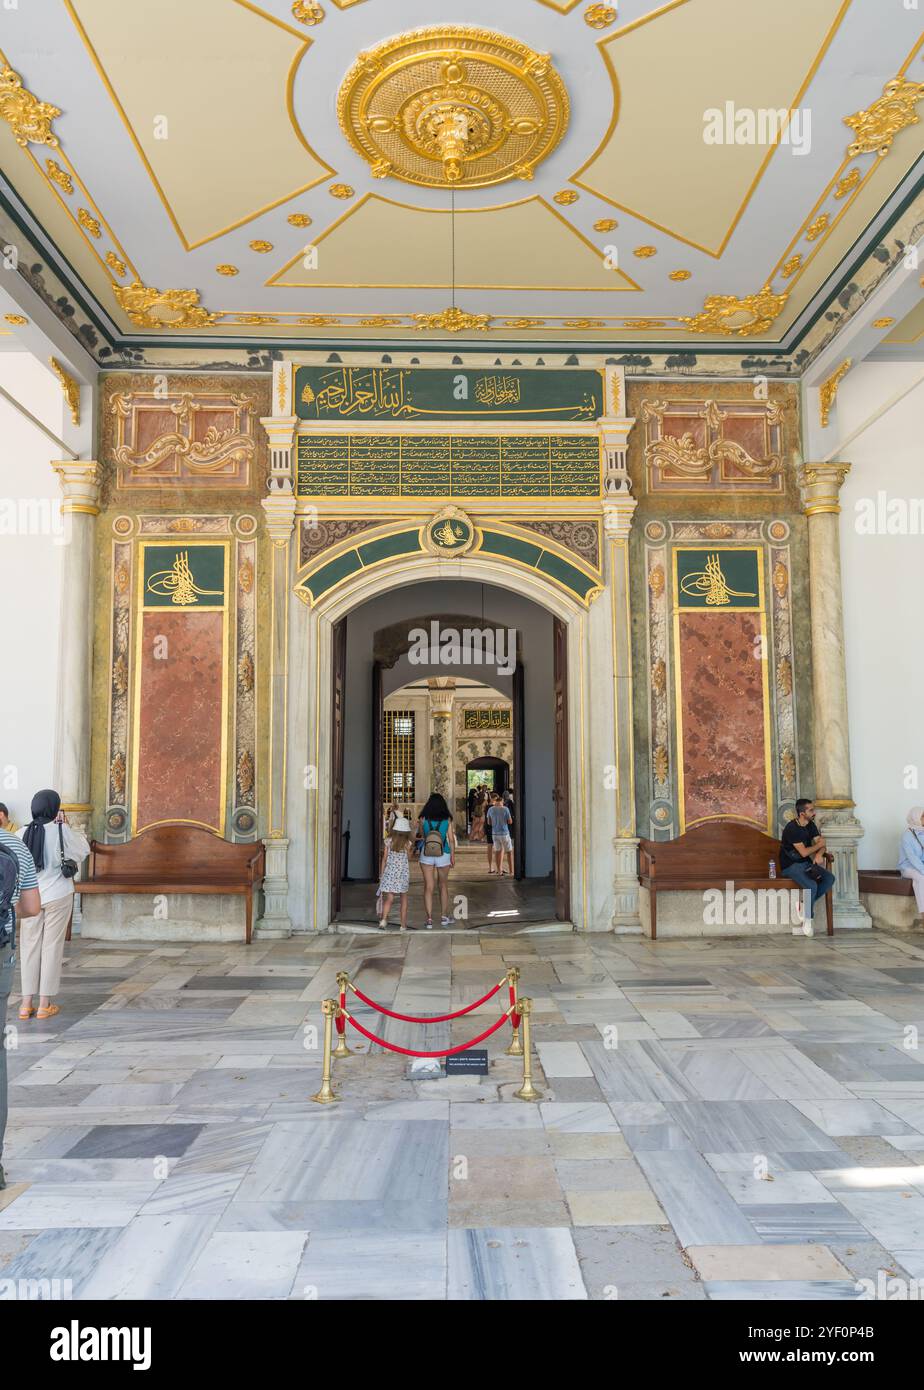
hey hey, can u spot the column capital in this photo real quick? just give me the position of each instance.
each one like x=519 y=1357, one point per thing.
x=441 y=697
x=617 y=516
x=279 y=509
x=820 y=485
x=80 y=483
x=280 y=430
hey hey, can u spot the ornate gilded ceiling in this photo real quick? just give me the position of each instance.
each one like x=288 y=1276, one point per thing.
x=683 y=175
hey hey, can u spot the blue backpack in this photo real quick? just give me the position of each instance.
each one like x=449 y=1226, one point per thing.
x=9 y=882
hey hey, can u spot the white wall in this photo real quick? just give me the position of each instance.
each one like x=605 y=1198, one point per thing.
x=501 y=609
x=31 y=554
x=883 y=581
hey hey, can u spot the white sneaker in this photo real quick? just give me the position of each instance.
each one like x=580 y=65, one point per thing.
x=808 y=929
x=446 y=922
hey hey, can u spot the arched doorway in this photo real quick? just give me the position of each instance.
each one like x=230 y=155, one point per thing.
x=583 y=646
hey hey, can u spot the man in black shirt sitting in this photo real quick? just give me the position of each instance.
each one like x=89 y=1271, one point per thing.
x=802 y=858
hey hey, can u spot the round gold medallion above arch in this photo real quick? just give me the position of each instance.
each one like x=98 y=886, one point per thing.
x=668 y=69
x=486 y=245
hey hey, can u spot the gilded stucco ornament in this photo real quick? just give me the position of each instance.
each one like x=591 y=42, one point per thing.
x=741 y=318
x=150 y=308
x=827 y=392
x=454 y=321
x=877 y=126
x=453 y=106
x=28 y=118
x=69 y=386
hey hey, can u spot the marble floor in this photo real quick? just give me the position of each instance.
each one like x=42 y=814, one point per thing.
x=720 y=1120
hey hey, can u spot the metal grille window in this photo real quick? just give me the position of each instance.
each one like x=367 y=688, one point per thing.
x=398 y=752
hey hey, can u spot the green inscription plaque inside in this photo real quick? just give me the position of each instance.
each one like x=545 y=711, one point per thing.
x=718 y=578
x=367 y=465
x=447 y=393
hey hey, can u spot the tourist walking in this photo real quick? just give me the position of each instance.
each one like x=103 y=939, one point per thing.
x=478 y=809
x=6 y=820
x=57 y=851
x=500 y=821
x=395 y=871
x=438 y=854
x=18 y=886
x=911 y=854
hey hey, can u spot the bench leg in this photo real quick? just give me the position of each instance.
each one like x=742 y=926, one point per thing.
x=829 y=911
x=248 y=931
x=653 y=898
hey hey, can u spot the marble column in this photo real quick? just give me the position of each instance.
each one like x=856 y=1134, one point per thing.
x=819 y=485
x=80 y=483
x=442 y=759
x=618 y=510
x=279 y=509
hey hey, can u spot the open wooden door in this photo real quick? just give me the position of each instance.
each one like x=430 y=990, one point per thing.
x=519 y=775
x=338 y=682
x=562 y=784
x=378 y=790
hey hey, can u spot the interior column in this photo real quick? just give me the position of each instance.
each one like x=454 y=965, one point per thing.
x=819 y=485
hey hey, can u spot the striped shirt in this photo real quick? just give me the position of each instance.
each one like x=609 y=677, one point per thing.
x=27 y=874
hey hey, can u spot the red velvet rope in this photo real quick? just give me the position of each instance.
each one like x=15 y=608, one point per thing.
x=445 y=1052
x=514 y=1017
x=435 y=1018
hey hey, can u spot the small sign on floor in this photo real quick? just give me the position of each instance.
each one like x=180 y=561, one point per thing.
x=473 y=1062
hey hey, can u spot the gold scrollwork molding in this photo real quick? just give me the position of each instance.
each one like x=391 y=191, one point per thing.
x=742 y=318
x=28 y=118
x=877 y=126
x=151 y=308
x=69 y=386
x=453 y=321
x=827 y=392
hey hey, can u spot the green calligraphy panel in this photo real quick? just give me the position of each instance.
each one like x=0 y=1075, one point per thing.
x=460 y=393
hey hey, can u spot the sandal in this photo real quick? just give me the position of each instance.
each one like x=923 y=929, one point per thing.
x=25 y=1013
x=50 y=1012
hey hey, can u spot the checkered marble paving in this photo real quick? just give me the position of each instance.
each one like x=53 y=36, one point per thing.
x=720 y=1120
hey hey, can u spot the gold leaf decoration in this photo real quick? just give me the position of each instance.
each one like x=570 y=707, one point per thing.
x=117 y=776
x=643 y=252
x=792 y=265
x=120 y=676
x=788 y=766
x=813 y=232
x=226 y=269
x=565 y=196
x=680 y=275
x=245 y=673
x=656 y=580
x=69 y=386
x=827 y=392
x=341 y=190
x=883 y=323
x=847 y=183
x=606 y=224
x=660 y=763
x=600 y=16
x=245 y=577
x=114 y=264
x=245 y=775
x=307 y=12
x=59 y=176
x=298 y=219
x=453 y=321
x=28 y=118
x=261 y=247
x=730 y=316
x=780 y=578
x=121 y=574
x=784 y=676
x=877 y=126
x=659 y=676
x=17 y=320
x=151 y=308
x=88 y=222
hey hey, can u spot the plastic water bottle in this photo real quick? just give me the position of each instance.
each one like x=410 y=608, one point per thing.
x=772 y=871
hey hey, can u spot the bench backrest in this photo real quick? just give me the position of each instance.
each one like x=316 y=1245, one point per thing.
x=722 y=847
x=186 y=852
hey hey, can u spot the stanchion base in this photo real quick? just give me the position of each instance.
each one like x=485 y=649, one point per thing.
x=515 y=1049
x=341 y=1050
x=528 y=1092
x=326 y=1095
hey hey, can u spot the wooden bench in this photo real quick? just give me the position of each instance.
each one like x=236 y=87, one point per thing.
x=177 y=859
x=885 y=881
x=709 y=856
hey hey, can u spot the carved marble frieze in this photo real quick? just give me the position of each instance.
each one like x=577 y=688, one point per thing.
x=316 y=536
x=119 y=683
x=243 y=815
x=713 y=446
x=581 y=536
x=183 y=431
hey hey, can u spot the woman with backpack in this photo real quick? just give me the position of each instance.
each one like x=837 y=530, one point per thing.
x=57 y=850
x=438 y=854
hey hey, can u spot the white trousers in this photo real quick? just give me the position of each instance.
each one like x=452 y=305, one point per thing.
x=41 y=947
x=918 y=884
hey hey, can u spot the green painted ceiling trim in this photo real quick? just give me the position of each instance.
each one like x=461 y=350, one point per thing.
x=385 y=547
x=499 y=543
x=330 y=574
x=569 y=575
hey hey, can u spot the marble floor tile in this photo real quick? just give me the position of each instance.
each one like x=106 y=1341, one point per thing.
x=361 y=1265
x=245 y=1265
x=698 y=1207
x=508 y=1263
x=609 y=1207
x=557 y=1058
x=135 y=1141
x=575 y=1118
x=45 y=1205
x=783 y=1290
x=765 y=1262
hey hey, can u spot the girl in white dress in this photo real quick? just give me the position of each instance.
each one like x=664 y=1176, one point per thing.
x=395 y=873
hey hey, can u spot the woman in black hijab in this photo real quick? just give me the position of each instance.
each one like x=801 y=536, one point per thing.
x=57 y=849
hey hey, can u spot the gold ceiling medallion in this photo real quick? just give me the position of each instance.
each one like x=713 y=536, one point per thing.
x=28 y=118
x=453 y=106
x=453 y=321
x=828 y=391
x=150 y=308
x=878 y=126
x=741 y=318
x=70 y=388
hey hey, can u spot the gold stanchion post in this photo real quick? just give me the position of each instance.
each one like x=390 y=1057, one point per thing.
x=341 y=1050
x=516 y=1046
x=326 y=1094
x=527 y=1091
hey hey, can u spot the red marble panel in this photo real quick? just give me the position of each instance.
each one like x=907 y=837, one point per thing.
x=722 y=716
x=179 y=769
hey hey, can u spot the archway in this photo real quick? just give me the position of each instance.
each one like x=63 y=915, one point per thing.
x=584 y=842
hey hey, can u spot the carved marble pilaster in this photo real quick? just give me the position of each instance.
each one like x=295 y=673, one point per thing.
x=819 y=485
x=618 y=511
x=442 y=694
x=279 y=511
x=80 y=484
